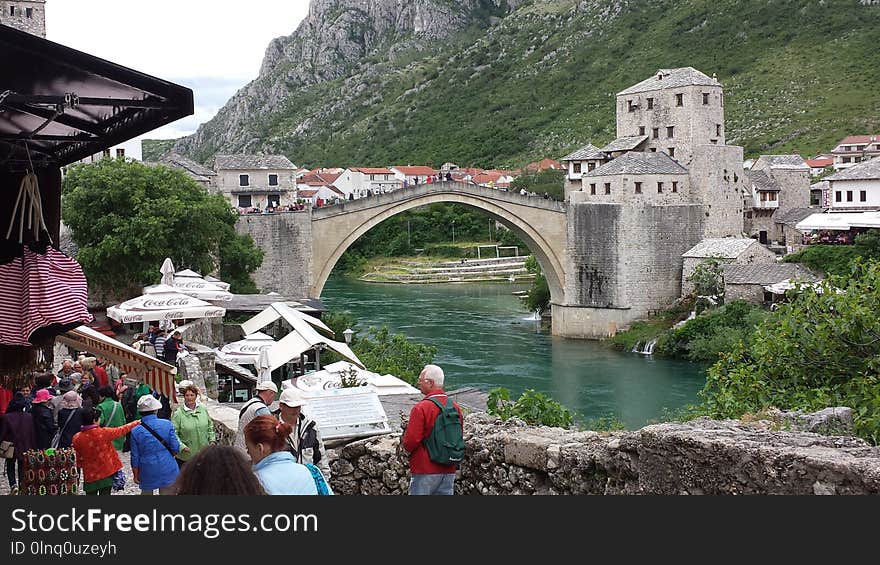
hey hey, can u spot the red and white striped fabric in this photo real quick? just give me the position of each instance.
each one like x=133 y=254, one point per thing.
x=11 y=308
x=54 y=291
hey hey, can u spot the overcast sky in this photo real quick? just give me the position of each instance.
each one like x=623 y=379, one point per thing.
x=211 y=46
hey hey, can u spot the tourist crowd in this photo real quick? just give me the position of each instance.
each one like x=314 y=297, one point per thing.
x=100 y=412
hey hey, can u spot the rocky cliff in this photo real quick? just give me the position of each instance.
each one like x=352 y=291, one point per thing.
x=504 y=82
x=338 y=38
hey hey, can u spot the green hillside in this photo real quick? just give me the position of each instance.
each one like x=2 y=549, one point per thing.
x=798 y=75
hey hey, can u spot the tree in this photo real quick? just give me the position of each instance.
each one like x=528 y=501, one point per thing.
x=708 y=279
x=538 y=296
x=126 y=217
x=821 y=349
x=394 y=354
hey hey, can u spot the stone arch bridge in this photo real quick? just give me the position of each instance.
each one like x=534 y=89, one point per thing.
x=603 y=262
x=538 y=222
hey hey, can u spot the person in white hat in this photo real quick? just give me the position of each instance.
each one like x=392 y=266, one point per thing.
x=305 y=440
x=256 y=406
x=153 y=446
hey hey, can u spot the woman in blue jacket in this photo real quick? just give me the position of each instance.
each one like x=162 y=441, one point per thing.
x=265 y=439
x=153 y=446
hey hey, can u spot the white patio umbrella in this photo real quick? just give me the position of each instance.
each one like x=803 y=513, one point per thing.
x=218 y=282
x=246 y=351
x=193 y=284
x=162 y=302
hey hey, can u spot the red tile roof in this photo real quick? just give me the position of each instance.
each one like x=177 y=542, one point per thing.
x=819 y=163
x=306 y=193
x=857 y=139
x=543 y=164
x=416 y=170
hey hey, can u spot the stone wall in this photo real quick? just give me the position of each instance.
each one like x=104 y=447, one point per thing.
x=29 y=16
x=752 y=293
x=286 y=240
x=717 y=181
x=698 y=457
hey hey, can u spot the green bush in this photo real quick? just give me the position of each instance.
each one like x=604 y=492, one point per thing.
x=711 y=333
x=822 y=349
x=532 y=407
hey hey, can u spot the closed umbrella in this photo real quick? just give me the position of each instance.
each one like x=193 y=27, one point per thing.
x=263 y=366
x=167 y=270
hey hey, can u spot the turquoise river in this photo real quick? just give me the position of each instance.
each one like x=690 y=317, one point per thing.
x=484 y=338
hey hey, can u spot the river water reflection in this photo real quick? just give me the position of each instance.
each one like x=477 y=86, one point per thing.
x=485 y=339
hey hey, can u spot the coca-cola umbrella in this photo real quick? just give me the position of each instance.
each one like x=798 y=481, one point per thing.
x=162 y=302
x=193 y=284
x=246 y=351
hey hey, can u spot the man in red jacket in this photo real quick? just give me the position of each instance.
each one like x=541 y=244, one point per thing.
x=426 y=476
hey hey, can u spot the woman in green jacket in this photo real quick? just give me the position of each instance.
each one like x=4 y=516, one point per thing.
x=112 y=415
x=194 y=427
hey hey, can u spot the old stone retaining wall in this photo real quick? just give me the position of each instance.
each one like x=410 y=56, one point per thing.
x=698 y=457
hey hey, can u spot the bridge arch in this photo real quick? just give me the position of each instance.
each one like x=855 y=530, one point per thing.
x=539 y=223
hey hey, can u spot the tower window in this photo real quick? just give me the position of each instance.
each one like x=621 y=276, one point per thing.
x=607 y=188
x=592 y=188
x=638 y=188
x=705 y=99
x=659 y=187
x=244 y=180
x=630 y=106
x=29 y=13
x=671 y=151
x=863 y=196
x=12 y=10
x=655 y=133
x=679 y=99
x=650 y=103
x=273 y=180
x=675 y=186
x=670 y=132
x=641 y=130
x=718 y=130
x=849 y=195
x=837 y=197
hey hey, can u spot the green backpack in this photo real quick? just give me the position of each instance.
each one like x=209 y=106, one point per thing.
x=445 y=444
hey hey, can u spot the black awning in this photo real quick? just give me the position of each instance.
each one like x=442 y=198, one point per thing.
x=61 y=105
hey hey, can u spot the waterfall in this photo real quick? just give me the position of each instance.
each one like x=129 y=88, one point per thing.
x=648 y=348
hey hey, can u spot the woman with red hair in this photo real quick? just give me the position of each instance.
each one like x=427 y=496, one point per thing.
x=265 y=439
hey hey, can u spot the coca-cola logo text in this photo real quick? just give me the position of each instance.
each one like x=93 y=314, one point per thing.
x=169 y=303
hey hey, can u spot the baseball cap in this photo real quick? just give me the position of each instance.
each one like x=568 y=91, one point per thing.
x=292 y=397
x=267 y=385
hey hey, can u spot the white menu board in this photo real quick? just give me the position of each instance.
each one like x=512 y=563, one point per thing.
x=347 y=412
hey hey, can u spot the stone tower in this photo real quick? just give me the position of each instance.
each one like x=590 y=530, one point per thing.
x=677 y=109
x=671 y=181
x=26 y=15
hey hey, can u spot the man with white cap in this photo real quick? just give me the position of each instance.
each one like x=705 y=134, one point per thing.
x=305 y=440
x=256 y=406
